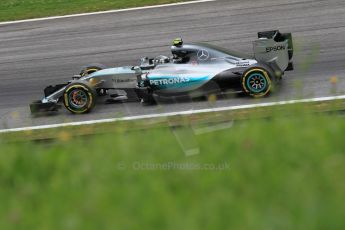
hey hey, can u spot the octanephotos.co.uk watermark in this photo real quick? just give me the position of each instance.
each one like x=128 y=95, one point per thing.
x=173 y=166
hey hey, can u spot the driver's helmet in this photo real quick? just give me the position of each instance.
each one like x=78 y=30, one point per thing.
x=178 y=42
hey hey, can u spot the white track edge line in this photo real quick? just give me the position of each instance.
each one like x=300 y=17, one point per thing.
x=189 y=112
x=105 y=12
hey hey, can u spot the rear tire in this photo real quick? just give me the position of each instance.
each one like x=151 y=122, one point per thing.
x=256 y=82
x=79 y=98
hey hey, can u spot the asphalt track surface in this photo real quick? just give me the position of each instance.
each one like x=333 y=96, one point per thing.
x=36 y=54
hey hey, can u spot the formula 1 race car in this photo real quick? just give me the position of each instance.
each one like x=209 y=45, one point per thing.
x=193 y=70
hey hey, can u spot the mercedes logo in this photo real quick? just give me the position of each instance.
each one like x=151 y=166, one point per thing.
x=203 y=55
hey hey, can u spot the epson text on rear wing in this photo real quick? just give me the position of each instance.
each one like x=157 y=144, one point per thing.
x=274 y=49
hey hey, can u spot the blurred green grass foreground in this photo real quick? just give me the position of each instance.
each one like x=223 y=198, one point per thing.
x=277 y=173
x=25 y=9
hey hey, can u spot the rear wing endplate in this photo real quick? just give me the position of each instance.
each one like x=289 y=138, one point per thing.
x=274 y=49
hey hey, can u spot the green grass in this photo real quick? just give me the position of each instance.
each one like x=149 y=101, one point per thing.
x=284 y=173
x=25 y=9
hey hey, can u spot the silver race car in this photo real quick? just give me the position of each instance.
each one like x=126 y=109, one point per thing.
x=194 y=70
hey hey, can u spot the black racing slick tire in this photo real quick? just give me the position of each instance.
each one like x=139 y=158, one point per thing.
x=89 y=69
x=257 y=82
x=79 y=98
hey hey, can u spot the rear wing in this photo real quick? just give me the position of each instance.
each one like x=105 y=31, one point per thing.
x=274 y=49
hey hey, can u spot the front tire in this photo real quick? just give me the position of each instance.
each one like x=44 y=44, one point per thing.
x=79 y=98
x=89 y=69
x=257 y=82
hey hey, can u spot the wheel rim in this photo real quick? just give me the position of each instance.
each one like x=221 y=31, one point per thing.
x=78 y=99
x=257 y=83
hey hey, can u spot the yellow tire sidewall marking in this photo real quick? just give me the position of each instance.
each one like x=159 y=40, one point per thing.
x=269 y=82
x=67 y=101
x=87 y=71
